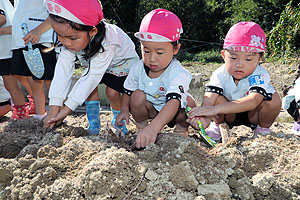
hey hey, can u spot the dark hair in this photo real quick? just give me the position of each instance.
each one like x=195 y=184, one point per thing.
x=175 y=44
x=286 y=89
x=95 y=43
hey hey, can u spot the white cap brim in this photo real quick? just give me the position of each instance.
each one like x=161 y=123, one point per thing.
x=151 y=37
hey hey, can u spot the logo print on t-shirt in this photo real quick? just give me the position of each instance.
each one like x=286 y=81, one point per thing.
x=256 y=80
x=181 y=88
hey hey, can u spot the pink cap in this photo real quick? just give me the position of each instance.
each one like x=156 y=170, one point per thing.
x=86 y=12
x=245 y=36
x=160 y=25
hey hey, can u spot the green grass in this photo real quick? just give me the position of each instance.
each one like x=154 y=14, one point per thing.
x=207 y=56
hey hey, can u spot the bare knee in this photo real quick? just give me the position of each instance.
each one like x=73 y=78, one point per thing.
x=37 y=85
x=137 y=99
x=273 y=106
x=112 y=94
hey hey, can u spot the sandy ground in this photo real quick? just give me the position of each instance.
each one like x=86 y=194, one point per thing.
x=66 y=163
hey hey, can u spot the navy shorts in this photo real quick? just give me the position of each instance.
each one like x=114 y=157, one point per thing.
x=114 y=82
x=241 y=119
x=5 y=66
x=5 y=103
x=19 y=66
x=293 y=110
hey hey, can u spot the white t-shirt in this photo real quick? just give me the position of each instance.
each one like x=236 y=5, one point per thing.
x=32 y=12
x=172 y=83
x=5 y=40
x=119 y=51
x=222 y=82
x=4 y=94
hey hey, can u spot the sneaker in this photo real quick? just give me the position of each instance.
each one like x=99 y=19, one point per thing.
x=39 y=117
x=296 y=128
x=213 y=131
x=261 y=131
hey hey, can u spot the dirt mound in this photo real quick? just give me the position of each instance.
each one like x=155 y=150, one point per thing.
x=68 y=164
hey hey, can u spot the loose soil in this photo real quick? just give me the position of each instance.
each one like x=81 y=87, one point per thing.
x=67 y=163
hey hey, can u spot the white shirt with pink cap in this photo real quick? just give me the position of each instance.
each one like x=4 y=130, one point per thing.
x=118 y=57
x=221 y=82
x=175 y=80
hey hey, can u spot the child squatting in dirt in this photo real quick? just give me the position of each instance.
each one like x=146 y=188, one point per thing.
x=156 y=88
x=105 y=49
x=239 y=92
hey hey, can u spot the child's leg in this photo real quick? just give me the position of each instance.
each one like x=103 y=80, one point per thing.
x=4 y=108
x=25 y=82
x=11 y=85
x=114 y=98
x=38 y=96
x=20 y=108
x=141 y=109
x=213 y=130
x=181 y=124
x=47 y=84
x=267 y=112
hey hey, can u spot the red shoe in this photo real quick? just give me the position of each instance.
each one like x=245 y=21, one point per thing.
x=31 y=105
x=20 y=112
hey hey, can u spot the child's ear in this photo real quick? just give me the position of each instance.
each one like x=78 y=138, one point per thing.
x=176 y=50
x=93 y=32
x=223 y=54
x=261 y=55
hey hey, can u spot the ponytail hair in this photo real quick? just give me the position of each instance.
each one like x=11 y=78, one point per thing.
x=95 y=43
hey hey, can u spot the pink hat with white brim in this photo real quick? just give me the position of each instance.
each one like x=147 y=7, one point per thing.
x=85 y=12
x=160 y=25
x=246 y=37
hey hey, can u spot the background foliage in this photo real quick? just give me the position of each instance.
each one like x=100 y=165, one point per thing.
x=205 y=22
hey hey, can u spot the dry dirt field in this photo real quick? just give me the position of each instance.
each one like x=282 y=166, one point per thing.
x=66 y=163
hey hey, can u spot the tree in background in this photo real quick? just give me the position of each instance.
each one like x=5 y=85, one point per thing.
x=205 y=22
x=284 y=38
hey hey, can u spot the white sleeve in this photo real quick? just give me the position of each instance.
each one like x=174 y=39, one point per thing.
x=62 y=78
x=89 y=81
x=216 y=78
x=132 y=83
x=297 y=90
x=180 y=84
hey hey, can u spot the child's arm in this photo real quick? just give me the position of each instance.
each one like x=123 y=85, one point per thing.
x=149 y=133
x=209 y=99
x=5 y=30
x=124 y=114
x=35 y=34
x=247 y=103
x=2 y=19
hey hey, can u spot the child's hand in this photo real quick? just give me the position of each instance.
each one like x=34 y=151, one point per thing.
x=145 y=137
x=33 y=36
x=53 y=111
x=56 y=118
x=203 y=111
x=193 y=121
x=122 y=116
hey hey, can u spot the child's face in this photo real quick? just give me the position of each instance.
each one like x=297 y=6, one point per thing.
x=240 y=64
x=158 y=55
x=73 y=40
